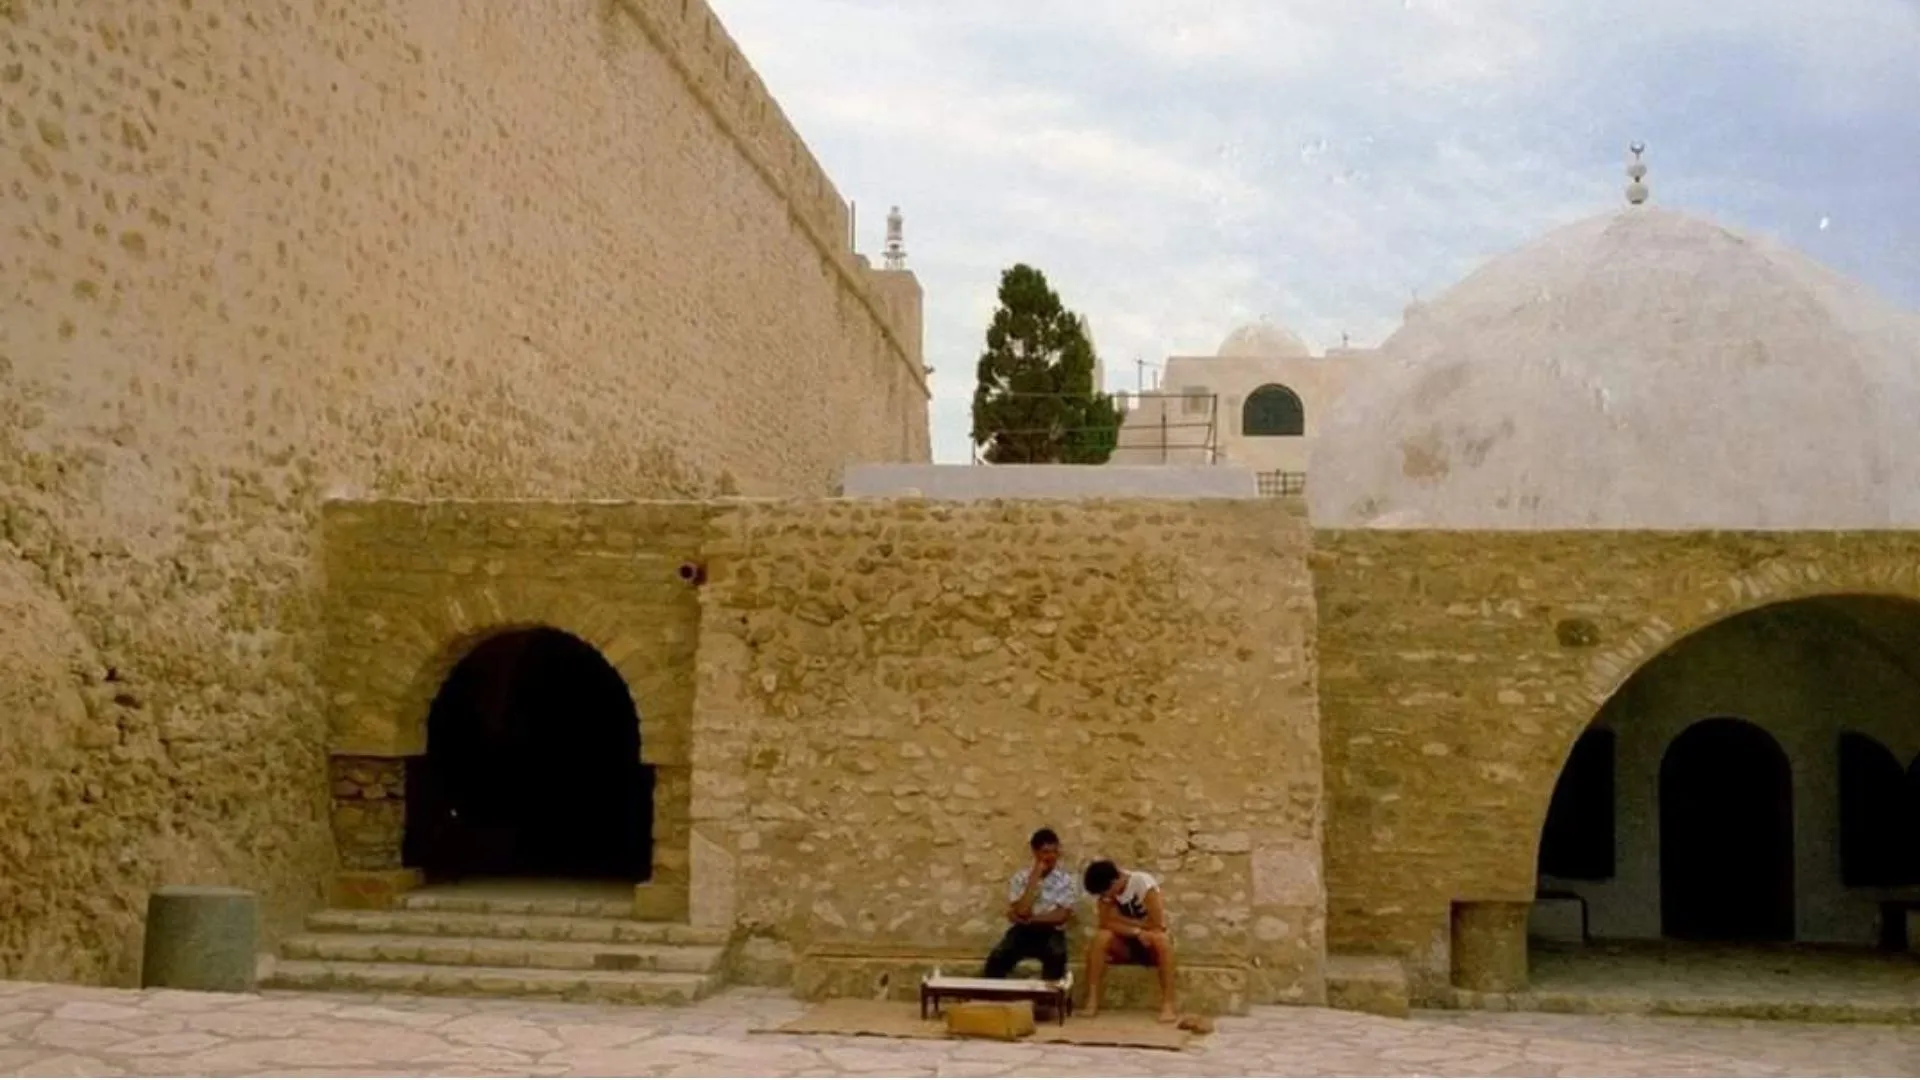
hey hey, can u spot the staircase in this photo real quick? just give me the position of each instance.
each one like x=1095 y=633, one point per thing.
x=492 y=942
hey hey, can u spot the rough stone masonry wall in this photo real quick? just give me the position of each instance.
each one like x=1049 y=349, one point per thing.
x=251 y=255
x=1457 y=669
x=893 y=695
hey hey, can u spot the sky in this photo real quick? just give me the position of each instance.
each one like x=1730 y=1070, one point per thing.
x=1180 y=168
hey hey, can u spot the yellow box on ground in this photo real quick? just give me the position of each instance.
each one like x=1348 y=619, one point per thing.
x=991 y=1019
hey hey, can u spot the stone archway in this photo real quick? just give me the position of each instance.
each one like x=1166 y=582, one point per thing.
x=1749 y=818
x=1459 y=670
x=395 y=647
x=532 y=768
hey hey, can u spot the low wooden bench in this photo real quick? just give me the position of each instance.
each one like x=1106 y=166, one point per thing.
x=1057 y=996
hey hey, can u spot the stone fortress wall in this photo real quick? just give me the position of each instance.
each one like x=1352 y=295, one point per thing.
x=430 y=263
x=864 y=705
x=256 y=256
x=861 y=714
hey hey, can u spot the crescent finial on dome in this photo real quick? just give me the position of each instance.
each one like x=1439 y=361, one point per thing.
x=1636 y=175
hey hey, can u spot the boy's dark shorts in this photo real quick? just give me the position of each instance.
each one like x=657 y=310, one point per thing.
x=1137 y=952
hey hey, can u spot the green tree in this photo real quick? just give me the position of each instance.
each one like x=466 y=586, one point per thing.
x=1033 y=401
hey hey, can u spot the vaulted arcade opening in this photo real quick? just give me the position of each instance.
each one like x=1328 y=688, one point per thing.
x=1758 y=782
x=532 y=768
x=1726 y=835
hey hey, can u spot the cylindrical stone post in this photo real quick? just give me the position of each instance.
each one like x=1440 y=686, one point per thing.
x=201 y=938
x=1490 y=945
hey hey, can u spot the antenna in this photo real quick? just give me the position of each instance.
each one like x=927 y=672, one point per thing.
x=896 y=250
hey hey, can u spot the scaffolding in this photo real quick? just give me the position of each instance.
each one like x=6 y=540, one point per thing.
x=1159 y=428
x=1155 y=429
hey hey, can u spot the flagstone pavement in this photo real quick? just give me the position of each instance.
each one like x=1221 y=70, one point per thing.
x=87 y=1031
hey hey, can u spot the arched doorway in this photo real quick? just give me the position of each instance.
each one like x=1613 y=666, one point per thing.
x=1874 y=834
x=1726 y=835
x=532 y=768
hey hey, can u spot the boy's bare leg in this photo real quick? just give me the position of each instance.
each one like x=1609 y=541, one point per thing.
x=1096 y=970
x=1162 y=945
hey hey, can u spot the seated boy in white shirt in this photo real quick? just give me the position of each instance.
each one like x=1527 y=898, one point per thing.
x=1131 y=929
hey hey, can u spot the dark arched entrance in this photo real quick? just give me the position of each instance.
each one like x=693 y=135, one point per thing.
x=1726 y=835
x=532 y=768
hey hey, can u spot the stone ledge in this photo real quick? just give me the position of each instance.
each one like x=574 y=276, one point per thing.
x=510 y=927
x=1210 y=985
x=1695 y=1006
x=612 y=987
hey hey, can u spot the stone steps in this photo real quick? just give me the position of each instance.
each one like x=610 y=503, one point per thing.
x=486 y=904
x=498 y=952
x=470 y=924
x=604 y=987
x=480 y=944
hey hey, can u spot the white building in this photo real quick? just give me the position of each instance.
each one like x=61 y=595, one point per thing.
x=1258 y=401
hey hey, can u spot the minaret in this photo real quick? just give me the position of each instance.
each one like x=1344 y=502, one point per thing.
x=1637 y=175
x=895 y=256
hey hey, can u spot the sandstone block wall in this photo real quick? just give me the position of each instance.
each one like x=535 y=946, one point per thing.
x=257 y=255
x=893 y=695
x=1457 y=669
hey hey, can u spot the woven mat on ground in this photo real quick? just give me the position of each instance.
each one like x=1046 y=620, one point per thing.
x=901 y=1020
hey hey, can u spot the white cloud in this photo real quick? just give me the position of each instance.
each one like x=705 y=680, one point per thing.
x=1179 y=168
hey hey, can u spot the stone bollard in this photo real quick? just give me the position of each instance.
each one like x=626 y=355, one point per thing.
x=1490 y=946
x=201 y=937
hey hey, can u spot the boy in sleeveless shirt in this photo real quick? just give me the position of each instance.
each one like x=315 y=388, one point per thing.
x=1131 y=929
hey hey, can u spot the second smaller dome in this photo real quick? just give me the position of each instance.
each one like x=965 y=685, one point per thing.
x=1263 y=339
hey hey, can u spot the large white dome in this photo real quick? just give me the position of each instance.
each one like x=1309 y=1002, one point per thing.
x=1644 y=370
x=1263 y=340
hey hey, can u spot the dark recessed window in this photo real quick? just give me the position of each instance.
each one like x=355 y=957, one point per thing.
x=1872 y=812
x=1273 y=410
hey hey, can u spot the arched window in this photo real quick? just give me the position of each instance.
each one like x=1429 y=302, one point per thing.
x=1273 y=410
x=1871 y=793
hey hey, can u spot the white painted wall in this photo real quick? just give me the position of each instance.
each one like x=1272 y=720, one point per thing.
x=1803 y=672
x=1318 y=380
x=968 y=482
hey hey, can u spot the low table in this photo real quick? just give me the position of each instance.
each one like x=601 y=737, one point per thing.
x=937 y=988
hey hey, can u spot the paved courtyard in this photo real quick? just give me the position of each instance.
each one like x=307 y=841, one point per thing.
x=82 y=1031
